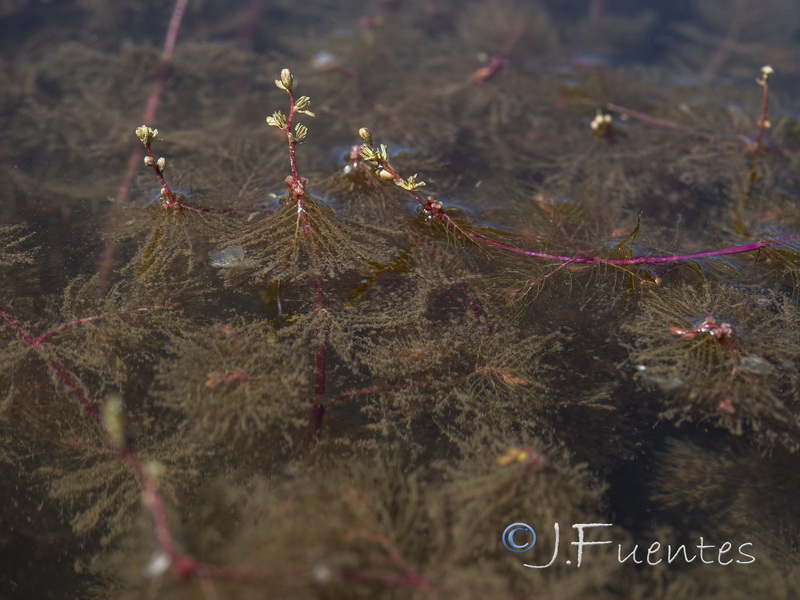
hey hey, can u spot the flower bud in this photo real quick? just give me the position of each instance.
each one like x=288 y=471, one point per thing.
x=113 y=421
x=161 y=164
x=146 y=134
x=365 y=135
x=149 y=161
x=287 y=79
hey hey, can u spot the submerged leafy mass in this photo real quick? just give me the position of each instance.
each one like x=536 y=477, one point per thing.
x=723 y=354
x=558 y=287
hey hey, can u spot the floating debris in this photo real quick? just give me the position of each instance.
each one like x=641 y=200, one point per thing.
x=232 y=256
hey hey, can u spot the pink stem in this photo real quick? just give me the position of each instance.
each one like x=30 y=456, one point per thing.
x=763 y=124
x=171 y=202
x=182 y=565
x=640 y=116
x=293 y=145
x=64 y=326
x=434 y=209
x=636 y=260
x=297 y=190
x=501 y=60
x=89 y=406
x=155 y=503
x=153 y=102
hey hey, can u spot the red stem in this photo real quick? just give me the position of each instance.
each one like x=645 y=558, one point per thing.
x=292 y=143
x=434 y=209
x=182 y=565
x=636 y=260
x=501 y=60
x=763 y=124
x=151 y=108
x=640 y=116
x=757 y=144
x=154 y=99
x=63 y=326
x=172 y=201
x=297 y=190
x=90 y=407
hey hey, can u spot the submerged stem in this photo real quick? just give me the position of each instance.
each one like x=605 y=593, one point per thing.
x=436 y=210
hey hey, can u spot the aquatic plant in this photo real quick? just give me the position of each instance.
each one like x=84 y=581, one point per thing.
x=347 y=381
x=724 y=355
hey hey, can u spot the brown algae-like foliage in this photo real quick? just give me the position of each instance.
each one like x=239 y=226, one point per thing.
x=218 y=385
x=265 y=354
x=722 y=354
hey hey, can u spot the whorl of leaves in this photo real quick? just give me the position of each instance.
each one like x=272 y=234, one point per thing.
x=745 y=381
x=238 y=383
x=300 y=241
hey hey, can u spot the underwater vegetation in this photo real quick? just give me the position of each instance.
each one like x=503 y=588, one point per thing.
x=489 y=271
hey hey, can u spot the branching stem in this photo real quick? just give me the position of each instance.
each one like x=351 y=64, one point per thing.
x=75 y=389
x=298 y=193
x=153 y=101
x=171 y=201
x=434 y=209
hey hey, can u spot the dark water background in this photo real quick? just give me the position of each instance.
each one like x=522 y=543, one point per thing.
x=463 y=387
